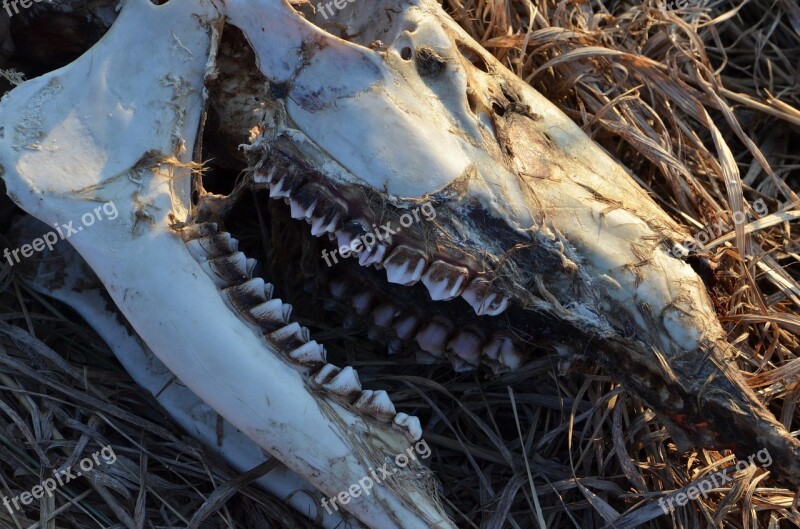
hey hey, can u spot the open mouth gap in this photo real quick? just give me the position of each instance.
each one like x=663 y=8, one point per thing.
x=339 y=295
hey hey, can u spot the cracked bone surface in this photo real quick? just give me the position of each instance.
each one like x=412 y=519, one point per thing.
x=119 y=124
x=536 y=230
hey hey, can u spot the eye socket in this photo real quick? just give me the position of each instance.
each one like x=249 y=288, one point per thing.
x=406 y=53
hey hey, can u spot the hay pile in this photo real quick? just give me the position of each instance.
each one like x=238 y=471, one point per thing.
x=700 y=100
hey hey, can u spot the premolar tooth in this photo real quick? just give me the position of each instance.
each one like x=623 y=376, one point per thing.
x=309 y=355
x=265 y=177
x=323 y=225
x=409 y=425
x=325 y=374
x=376 y=404
x=246 y=295
x=344 y=383
x=483 y=299
x=445 y=281
x=384 y=314
x=502 y=354
x=341 y=288
x=212 y=246
x=466 y=345
x=228 y=270
x=432 y=337
x=198 y=231
x=272 y=315
x=290 y=337
x=404 y=266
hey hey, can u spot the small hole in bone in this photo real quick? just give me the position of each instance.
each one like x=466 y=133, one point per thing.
x=498 y=109
x=406 y=53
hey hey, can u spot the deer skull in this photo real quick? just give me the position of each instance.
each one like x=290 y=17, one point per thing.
x=534 y=222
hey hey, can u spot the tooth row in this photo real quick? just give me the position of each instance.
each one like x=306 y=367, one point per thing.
x=437 y=337
x=251 y=298
x=404 y=265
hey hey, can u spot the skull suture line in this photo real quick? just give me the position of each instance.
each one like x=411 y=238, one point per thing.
x=534 y=222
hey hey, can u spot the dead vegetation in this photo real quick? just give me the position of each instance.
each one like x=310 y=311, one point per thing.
x=701 y=102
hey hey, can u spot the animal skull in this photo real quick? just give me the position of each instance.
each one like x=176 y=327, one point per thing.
x=540 y=237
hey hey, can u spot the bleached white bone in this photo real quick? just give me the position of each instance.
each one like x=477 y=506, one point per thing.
x=117 y=125
x=65 y=276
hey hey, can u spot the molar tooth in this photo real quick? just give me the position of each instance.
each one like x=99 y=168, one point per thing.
x=227 y=270
x=373 y=255
x=322 y=225
x=376 y=404
x=432 y=337
x=198 y=231
x=290 y=337
x=410 y=426
x=272 y=315
x=345 y=383
x=404 y=266
x=483 y=300
x=279 y=189
x=246 y=295
x=309 y=355
x=325 y=374
x=384 y=314
x=445 y=281
x=395 y=346
x=502 y=354
x=362 y=303
x=466 y=345
x=405 y=326
x=265 y=177
x=298 y=211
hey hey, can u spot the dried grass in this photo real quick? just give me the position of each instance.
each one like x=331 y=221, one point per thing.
x=701 y=102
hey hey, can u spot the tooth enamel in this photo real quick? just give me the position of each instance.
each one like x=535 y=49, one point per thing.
x=483 y=300
x=466 y=345
x=298 y=212
x=404 y=266
x=377 y=404
x=344 y=238
x=272 y=315
x=344 y=383
x=211 y=246
x=502 y=354
x=246 y=295
x=309 y=355
x=340 y=288
x=445 y=281
x=384 y=314
x=372 y=256
x=405 y=327
x=319 y=227
x=410 y=426
x=265 y=177
x=277 y=190
x=325 y=374
x=432 y=337
x=290 y=337
x=228 y=270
